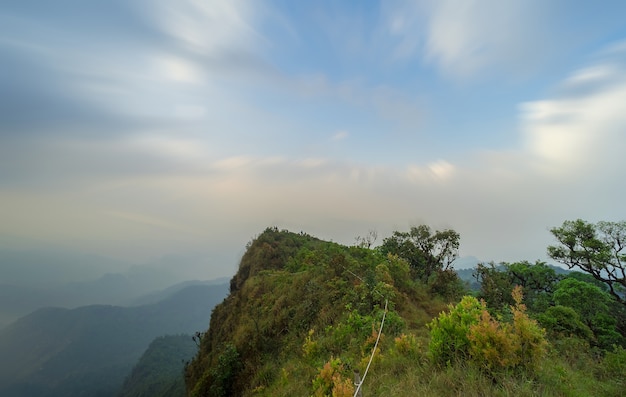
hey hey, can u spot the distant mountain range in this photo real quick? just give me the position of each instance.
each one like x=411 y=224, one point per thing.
x=88 y=351
x=33 y=279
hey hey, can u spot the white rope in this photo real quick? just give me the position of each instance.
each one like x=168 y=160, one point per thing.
x=363 y=281
x=380 y=331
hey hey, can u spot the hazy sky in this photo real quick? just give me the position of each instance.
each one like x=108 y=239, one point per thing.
x=137 y=128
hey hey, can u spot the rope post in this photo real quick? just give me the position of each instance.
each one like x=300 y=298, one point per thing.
x=357 y=383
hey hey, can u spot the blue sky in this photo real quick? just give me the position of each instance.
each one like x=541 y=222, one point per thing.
x=140 y=128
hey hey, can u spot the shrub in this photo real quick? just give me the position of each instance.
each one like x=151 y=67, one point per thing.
x=223 y=375
x=449 y=332
x=493 y=345
x=331 y=381
x=614 y=364
x=593 y=306
x=310 y=348
x=531 y=338
x=407 y=345
x=563 y=321
x=469 y=333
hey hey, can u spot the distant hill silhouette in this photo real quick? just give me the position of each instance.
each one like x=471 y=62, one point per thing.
x=88 y=351
x=36 y=278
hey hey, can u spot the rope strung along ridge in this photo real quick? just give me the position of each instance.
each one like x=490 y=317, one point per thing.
x=380 y=331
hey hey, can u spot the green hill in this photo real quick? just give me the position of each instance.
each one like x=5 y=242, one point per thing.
x=159 y=372
x=295 y=303
x=303 y=316
x=88 y=351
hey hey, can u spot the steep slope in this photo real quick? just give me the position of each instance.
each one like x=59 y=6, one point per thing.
x=89 y=350
x=295 y=303
x=159 y=372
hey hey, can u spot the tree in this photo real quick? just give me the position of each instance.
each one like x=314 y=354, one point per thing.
x=537 y=280
x=593 y=306
x=426 y=252
x=597 y=249
x=495 y=285
x=534 y=278
x=368 y=240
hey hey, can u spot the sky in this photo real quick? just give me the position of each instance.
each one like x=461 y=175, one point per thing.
x=136 y=129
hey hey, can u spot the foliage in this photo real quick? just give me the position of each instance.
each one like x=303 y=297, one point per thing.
x=537 y=280
x=159 y=371
x=614 y=364
x=563 y=321
x=527 y=333
x=310 y=347
x=223 y=375
x=592 y=306
x=425 y=251
x=219 y=380
x=469 y=333
x=492 y=344
x=495 y=285
x=597 y=249
x=447 y=284
x=407 y=344
x=449 y=332
x=331 y=381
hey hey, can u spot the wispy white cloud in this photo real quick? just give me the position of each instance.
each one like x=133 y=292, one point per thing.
x=474 y=38
x=466 y=37
x=210 y=27
x=581 y=130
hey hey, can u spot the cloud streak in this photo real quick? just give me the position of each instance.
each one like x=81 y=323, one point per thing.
x=580 y=132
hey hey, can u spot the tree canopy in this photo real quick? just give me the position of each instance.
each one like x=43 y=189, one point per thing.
x=597 y=249
x=425 y=250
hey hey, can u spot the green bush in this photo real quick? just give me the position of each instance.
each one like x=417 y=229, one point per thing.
x=614 y=364
x=469 y=333
x=563 y=321
x=449 y=332
x=593 y=306
x=530 y=337
x=228 y=365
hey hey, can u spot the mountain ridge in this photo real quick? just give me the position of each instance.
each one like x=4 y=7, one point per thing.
x=57 y=351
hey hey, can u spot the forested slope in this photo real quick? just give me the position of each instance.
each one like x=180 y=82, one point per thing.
x=159 y=372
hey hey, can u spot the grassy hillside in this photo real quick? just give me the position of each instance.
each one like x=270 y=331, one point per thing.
x=303 y=315
x=89 y=350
